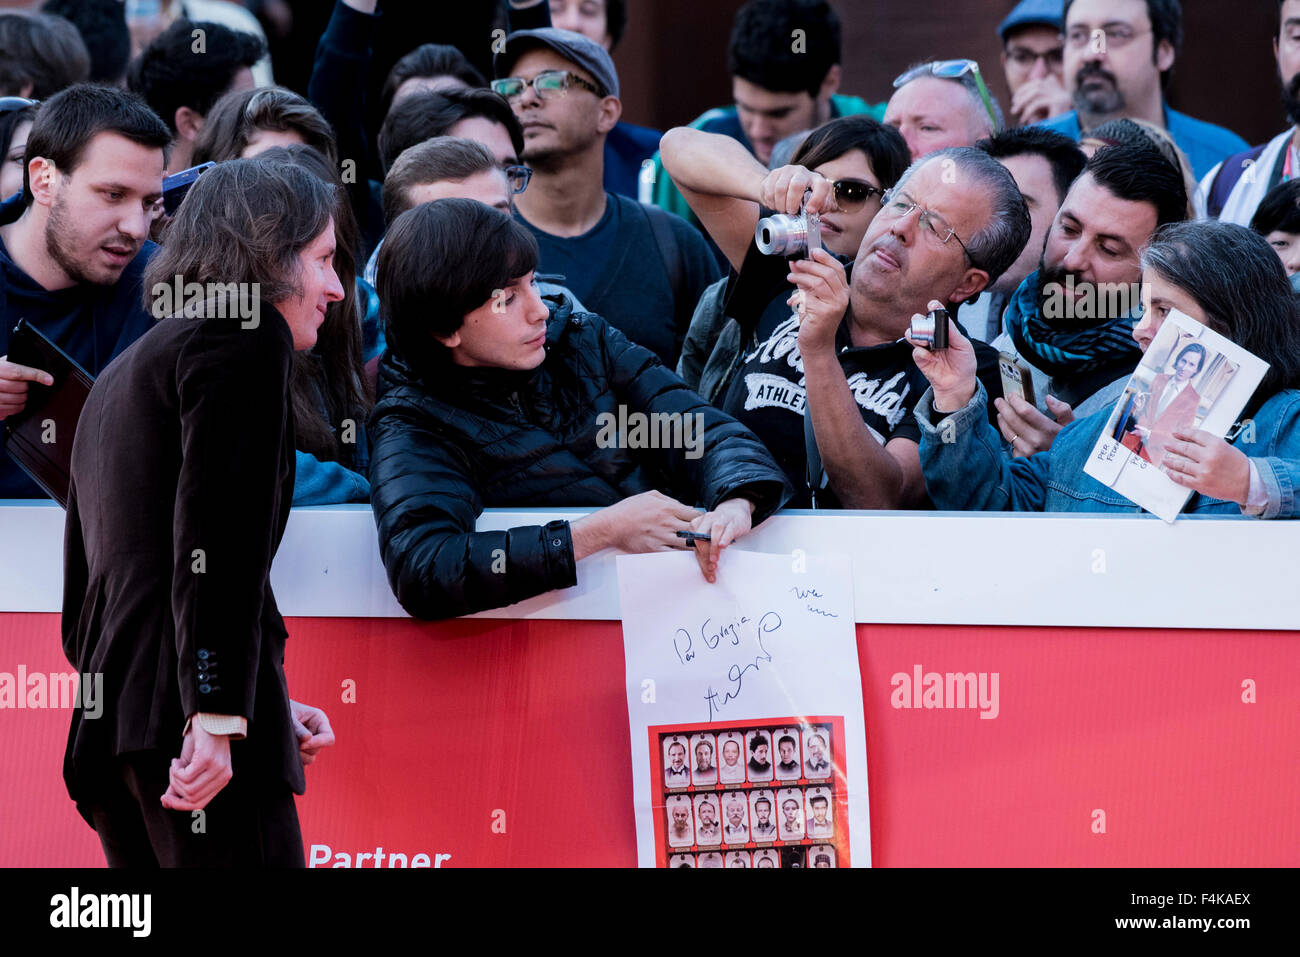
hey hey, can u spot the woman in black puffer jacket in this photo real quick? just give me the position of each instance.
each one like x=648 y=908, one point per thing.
x=491 y=397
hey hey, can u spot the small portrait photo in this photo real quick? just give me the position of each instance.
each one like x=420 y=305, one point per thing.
x=735 y=818
x=677 y=772
x=737 y=859
x=768 y=858
x=787 y=754
x=758 y=745
x=681 y=831
x=712 y=859
x=821 y=855
x=818 y=811
x=816 y=753
x=682 y=860
x=762 y=812
x=789 y=823
x=731 y=758
x=705 y=769
x=1171 y=390
x=708 y=830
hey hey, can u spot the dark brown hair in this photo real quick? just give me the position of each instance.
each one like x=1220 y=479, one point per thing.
x=43 y=50
x=327 y=383
x=439 y=262
x=230 y=123
x=244 y=222
x=433 y=161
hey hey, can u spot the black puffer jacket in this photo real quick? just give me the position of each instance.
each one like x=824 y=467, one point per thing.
x=449 y=441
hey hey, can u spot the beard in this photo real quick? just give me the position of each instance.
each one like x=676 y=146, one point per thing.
x=1291 y=99
x=62 y=241
x=1099 y=101
x=1055 y=278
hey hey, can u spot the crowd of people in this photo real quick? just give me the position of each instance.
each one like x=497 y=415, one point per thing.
x=461 y=282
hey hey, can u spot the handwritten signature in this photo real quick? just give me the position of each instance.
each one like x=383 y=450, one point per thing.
x=736 y=673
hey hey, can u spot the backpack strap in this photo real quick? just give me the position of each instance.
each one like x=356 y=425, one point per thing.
x=1230 y=171
x=669 y=249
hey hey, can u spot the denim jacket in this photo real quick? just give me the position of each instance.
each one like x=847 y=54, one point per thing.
x=969 y=472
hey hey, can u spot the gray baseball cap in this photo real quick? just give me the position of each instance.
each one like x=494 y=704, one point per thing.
x=574 y=47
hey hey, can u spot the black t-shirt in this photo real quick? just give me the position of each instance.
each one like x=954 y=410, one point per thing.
x=617 y=271
x=767 y=392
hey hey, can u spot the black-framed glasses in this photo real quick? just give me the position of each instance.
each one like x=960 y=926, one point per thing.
x=953 y=70
x=852 y=194
x=11 y=104
x=899 y=205
x=518 y=177
x=547 y=84
x=1026 y=58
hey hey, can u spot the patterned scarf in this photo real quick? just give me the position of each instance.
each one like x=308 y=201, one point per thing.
x=1068 y=353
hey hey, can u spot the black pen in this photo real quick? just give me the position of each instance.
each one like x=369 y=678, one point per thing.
x=693 y=537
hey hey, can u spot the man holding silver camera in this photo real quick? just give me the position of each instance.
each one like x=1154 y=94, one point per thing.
x=949 y=228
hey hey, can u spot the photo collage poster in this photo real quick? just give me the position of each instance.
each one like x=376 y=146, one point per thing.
x=745 y=710
x=765 y=794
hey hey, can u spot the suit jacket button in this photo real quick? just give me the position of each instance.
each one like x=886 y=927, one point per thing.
x=204 y=689
x=203 y=654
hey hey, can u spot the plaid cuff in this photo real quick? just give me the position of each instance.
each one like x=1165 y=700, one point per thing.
x=232 y=724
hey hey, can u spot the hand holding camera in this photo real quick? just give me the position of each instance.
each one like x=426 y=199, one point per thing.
x=820 y=300
x=783 y=191
x=950 y=367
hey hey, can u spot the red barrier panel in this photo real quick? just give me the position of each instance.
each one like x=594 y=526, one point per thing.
x=506 y=743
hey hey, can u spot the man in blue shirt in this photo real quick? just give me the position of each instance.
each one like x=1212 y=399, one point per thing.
x=1118 y=56
x=641 y=268
x=74 y=245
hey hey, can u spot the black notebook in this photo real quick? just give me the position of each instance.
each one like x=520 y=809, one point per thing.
x=39 y=438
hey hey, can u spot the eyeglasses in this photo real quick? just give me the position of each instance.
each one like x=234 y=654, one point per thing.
x=899 y=205
x=547 y=84
x=518 y=177
x=852 y=194
x=953 y=70
x=1026 y=58
x=1117 y=36
x=11 y=104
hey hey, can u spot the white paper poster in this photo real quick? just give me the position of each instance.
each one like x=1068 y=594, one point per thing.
x=745 y=705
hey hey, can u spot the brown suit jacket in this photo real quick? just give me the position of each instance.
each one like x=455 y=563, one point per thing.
x=182 y=480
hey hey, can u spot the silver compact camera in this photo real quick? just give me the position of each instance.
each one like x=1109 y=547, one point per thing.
x=931 y=331
x=793 y=237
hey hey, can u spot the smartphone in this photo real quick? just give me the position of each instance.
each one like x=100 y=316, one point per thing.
x=178 y=184
x=1016 y=378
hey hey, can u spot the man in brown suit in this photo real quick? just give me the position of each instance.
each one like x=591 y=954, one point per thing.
x=182 y=478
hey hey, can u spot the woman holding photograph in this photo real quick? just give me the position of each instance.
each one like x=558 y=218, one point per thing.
x=1222 y=275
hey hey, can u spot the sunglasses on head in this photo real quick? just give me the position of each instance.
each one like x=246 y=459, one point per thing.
x=11 y=104
x=852 y=194
x=953 y=70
